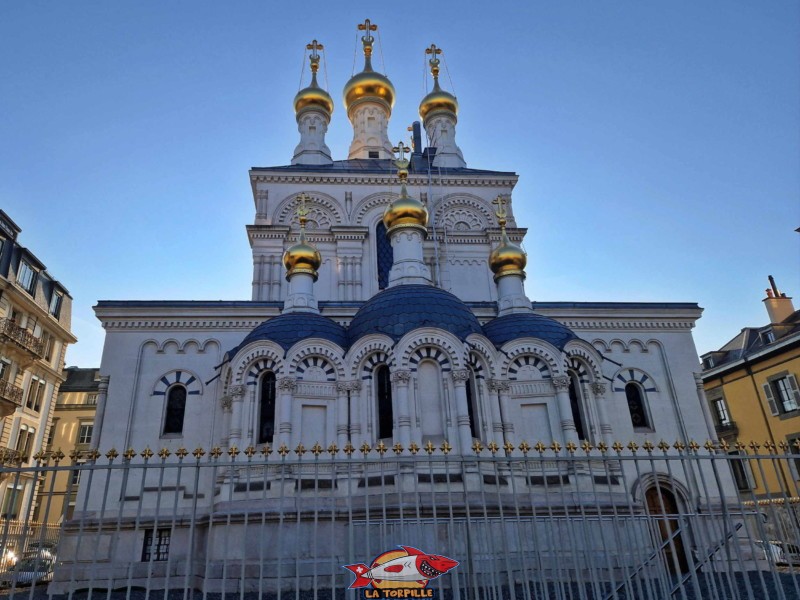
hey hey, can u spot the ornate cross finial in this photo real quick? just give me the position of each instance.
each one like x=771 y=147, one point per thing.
x=302 y=211
x=501 y=213
x=401 y=162
x=434 y=62
x=314 y=46
x=367 y=38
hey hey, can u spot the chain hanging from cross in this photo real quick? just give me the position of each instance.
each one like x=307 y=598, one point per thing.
x=314 y=46
x=501 y=213
x=434 y=62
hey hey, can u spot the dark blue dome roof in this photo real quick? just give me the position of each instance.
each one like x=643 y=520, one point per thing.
x=519 y=325
x=403 y=308
x=289 y=328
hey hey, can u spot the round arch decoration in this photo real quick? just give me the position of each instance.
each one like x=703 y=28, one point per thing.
x=258 y=353
x=186 y=378
x=628 y=375
x=433 y=346
x=547 y=356
x=368 y=203
x=302 y=360
x=323 y=210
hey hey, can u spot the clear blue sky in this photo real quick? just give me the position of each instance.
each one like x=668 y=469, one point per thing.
x=657 y=143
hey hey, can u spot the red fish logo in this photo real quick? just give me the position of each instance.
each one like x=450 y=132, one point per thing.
x=407 y=567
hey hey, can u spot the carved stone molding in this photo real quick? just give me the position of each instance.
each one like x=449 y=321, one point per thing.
x=287 y=384
x=342 y=386
x=354 y=386
x=561 y=383
x=401 y=376
x=499 y=386
x=599 y=389
x=226 y=402
x=236 y=390
x=460 y=375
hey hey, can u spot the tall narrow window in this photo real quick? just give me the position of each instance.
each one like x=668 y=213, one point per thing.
x=383 y=389
x=633 y=394
x=471 y=405
x=176 y=408
x=26 y=277
x=576 y=406
x=266 y=408
x=385 y=255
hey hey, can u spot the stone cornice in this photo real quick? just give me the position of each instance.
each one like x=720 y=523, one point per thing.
x=307 y=179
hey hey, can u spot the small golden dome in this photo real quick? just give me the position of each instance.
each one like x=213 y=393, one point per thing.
x=302 y=258
x=313 y=97
x=438 y=101
x=507 y=258
x=405 y=212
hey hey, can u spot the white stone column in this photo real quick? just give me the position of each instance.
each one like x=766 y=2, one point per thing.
x=236 y=392
x=286 y=385
x=277 y=274
x=343 y=389
x=262 y=199
x=348 y=278
x=568 y=430
x=494 y=407
x=400 y=379
x=460 y=378
x=606 y=431
x=357 y=404
x=226 y=403
x=503 y=391
x=357 y=278
x=340 y=276
x=100 y=413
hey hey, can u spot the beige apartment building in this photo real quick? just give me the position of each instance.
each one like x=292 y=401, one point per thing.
x=70 y=435
x=35 y=316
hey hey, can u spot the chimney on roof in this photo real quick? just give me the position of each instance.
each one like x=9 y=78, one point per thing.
x=779 y=305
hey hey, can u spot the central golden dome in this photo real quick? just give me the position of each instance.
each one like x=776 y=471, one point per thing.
x=368 y=86
x=405 y=212
x=507 y=258
x=302 y=257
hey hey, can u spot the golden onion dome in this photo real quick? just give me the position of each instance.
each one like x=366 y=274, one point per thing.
x=313 y=97
x=302 y=257
x=368 y=86
x=507 y=258
x=438 y=101
x=405 y=211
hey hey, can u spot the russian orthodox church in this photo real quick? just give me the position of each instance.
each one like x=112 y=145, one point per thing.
x=388 y=310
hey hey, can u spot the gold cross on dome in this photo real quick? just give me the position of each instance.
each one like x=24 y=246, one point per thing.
x=302 y=211
x=314 y=46
x=400 y=149
x=434 y=62
x=500 y=202
x=367 y=26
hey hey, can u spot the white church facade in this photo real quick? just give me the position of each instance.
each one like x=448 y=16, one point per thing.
x=387 y=310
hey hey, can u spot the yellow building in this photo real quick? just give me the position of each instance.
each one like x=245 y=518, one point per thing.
x=751 y=384
x=72 y=429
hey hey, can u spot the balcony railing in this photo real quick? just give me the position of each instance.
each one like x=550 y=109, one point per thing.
x=10 y=392
x=729 y=428
x=21 y=336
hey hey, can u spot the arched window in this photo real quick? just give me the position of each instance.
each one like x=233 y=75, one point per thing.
x=176 y=409
x=266 y=408
x=472 y=407
x=385 y=255
x=576 y=404
x=635 y=398
x=383 y=397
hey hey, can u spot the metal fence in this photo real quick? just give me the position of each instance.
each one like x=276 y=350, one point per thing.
x=523 y=523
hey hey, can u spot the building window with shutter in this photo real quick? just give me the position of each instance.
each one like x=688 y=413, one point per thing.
x=783 y=395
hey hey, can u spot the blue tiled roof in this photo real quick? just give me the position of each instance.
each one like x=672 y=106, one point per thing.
x=289 y=328
x=403 y=308
x=519 y=325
